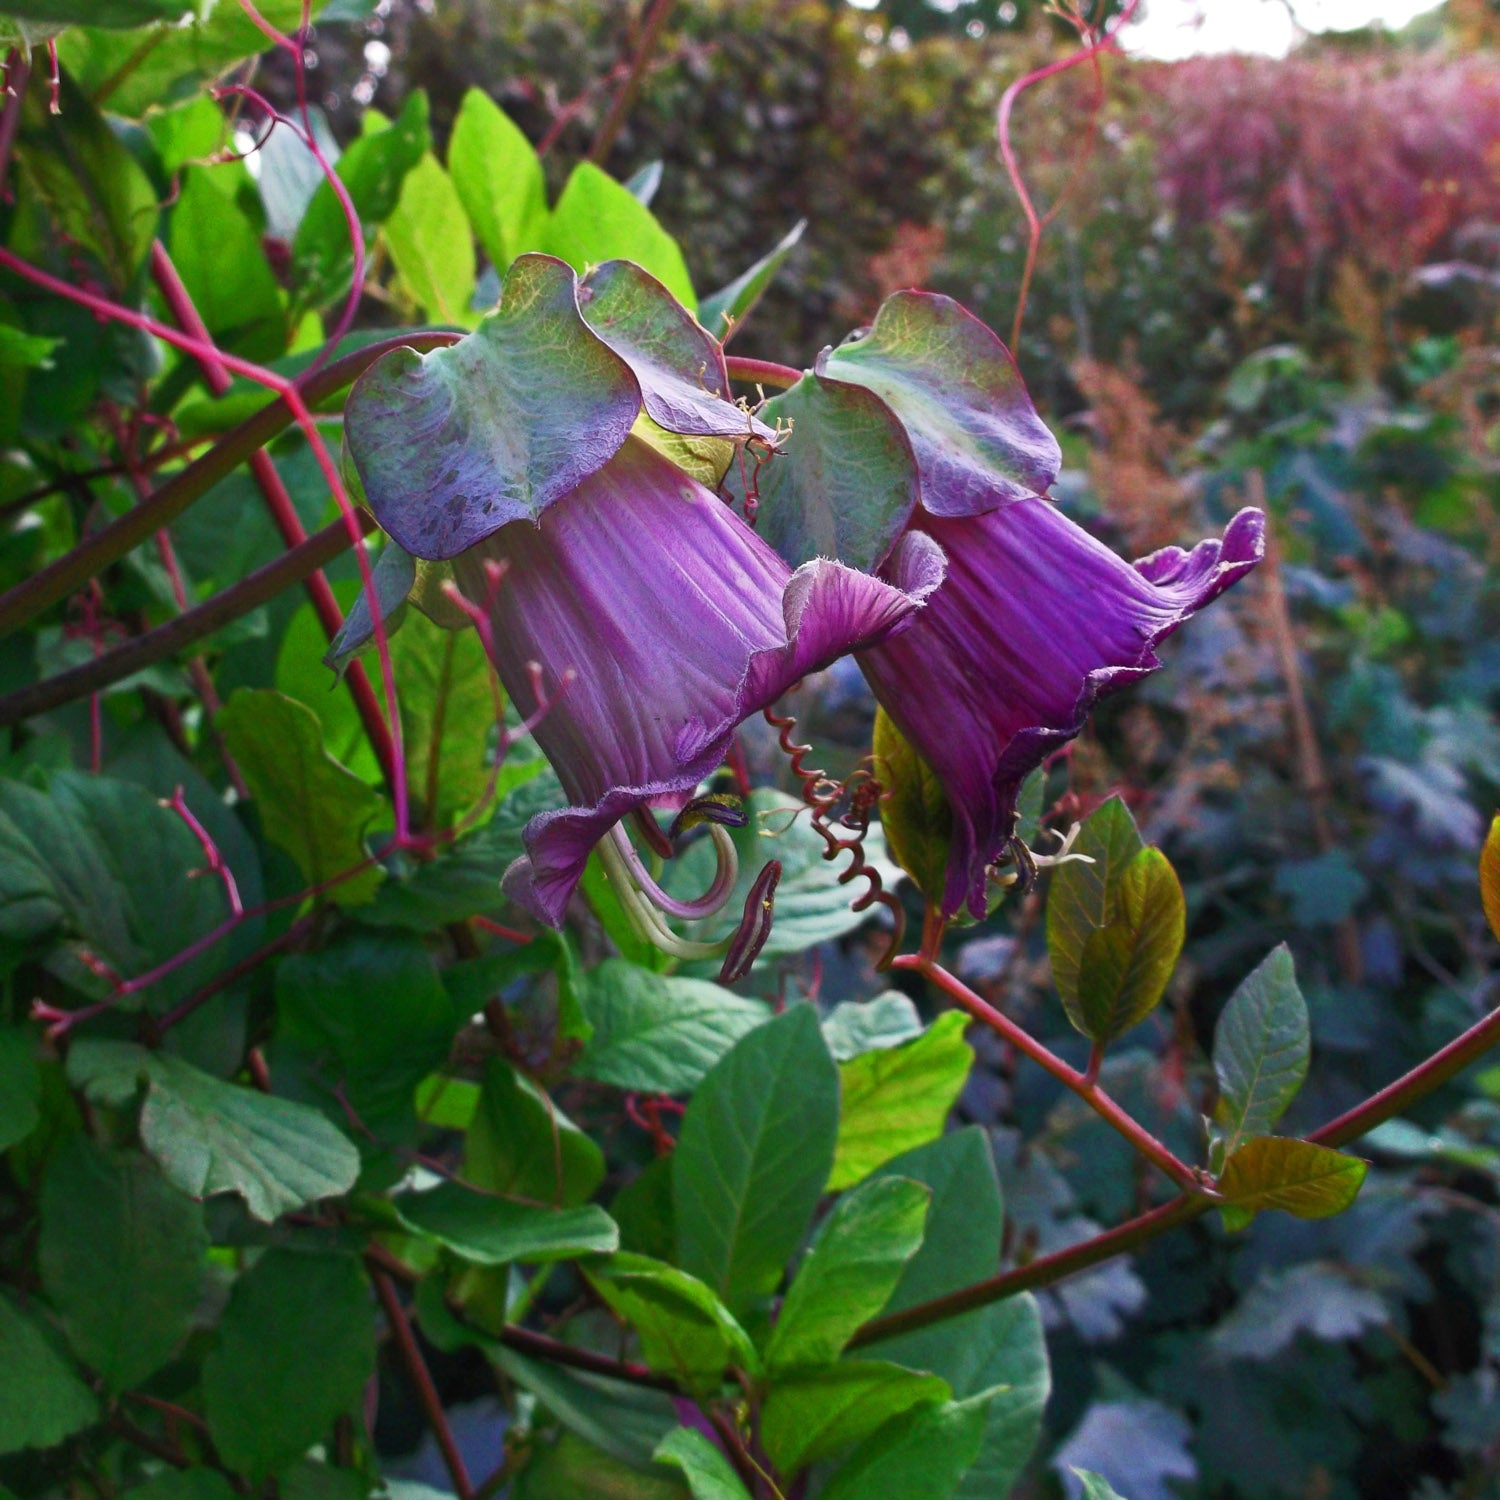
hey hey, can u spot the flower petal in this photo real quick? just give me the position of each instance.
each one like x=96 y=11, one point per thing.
x=676 y=622
x=1035 y=621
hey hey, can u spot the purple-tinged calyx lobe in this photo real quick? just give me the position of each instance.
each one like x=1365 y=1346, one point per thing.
x=452 y=445
x=677 y=622
x=954 y=388
x=1035 y=621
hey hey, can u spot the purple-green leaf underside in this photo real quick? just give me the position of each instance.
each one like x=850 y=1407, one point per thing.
x=678 y=365
x=844 y=483
x=955 y=389
x=452 y=445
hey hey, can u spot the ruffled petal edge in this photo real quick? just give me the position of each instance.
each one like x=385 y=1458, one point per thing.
x=829 y=610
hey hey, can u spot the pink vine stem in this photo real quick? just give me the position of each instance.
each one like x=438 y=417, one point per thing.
x=298 y=48
x=283 y=512
x=291 y=393
x=1036 y=223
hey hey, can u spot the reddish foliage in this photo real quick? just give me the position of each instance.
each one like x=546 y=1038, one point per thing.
x=1332 y=156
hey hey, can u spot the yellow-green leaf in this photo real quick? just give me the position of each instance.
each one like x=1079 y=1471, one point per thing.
x=897 y=1099
x=309 y=804
x=1115 y=926
x=1489 y=876
x=915 y=814
x=1305 y=1180
x=1125 y=965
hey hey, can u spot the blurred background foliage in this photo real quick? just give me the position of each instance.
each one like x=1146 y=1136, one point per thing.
x=1270 y=279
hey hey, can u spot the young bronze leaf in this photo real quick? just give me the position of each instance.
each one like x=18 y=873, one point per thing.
x=1305 y=1180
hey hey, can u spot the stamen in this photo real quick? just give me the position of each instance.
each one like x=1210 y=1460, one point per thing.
x=755 y=926
x=690 y=911
x=1030 y=861
x=644 y=918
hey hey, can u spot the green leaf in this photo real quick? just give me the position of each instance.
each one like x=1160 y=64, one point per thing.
x=42 y=1396
x=709 y=1475
x=898 y=1098
x=309 y=804
x=643 y=1210
x=844 y=482
x=850 y=1270
x=217 y=252
x=1125 y=965
x=655 y=1032
x=372 y=1012
x=25 y=351
x=956 y=392
x=1095 y=1486
x=706 y=459
x=499 y=179
x=373 y=170
x=490 y=1231
x=1489 y=876
x=296 y=1347
x=884 y=1021
x=1114 y=927
x=184 y=1484
x=728 y=307
x=922 y=1455
x=684 y=1329
x=214 y=1137
x=677 y=365
x=430 y=244
x=811 y=1414
x=121 y=1254
x=1307 y=1181
x=394 y=574
x=962 y=1240
x=20 y=1083
x=520 y=1144
x=115 y=14
x=464 y=880
x=450 y=702
x=1078 y=902
x=596 y=219
x=754 y=1152
x=453 y=444
x=1261 y=1049
x=914 y=814
x=193 y=130
x=626 y=1421
x=573 y=1466
x=644 y=181
x=997 y=1346
x=140 y=71
x=100 y=860
x=97 y=194
x=1004 y=1350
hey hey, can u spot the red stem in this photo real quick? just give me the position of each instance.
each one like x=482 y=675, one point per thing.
x=17 y=71
x=1044 y=1271
x=656 y=18
x=251 y=961
x=175 y=635
x=1091 y=1094
x=1412 y=1086
x=1035 y=222
x=279 y=503
x=761 y=371
x=421 y=1378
